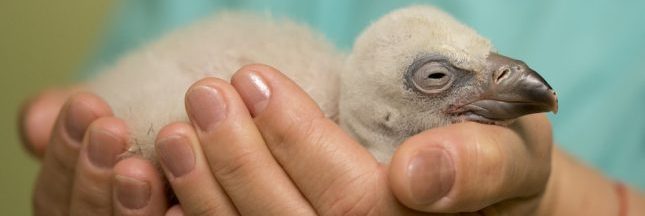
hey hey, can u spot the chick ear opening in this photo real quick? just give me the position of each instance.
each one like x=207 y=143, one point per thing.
x=387 y=120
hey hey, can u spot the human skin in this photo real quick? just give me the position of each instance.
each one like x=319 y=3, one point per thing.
x=277 y=159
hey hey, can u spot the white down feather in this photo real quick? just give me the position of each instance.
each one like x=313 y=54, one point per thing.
x=146 y=88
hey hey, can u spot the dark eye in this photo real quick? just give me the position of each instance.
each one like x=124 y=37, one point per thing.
x=432 y=77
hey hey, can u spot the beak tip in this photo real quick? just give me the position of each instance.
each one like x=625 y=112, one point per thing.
x=555 y=102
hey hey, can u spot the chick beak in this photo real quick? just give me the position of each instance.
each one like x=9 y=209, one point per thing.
x=513 y=90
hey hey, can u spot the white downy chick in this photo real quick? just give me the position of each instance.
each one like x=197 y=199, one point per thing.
x=414 y=69
x=419 y=68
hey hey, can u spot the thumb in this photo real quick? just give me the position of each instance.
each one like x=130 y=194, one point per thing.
x=468 y=167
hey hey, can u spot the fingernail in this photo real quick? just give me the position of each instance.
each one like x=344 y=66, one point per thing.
x=176 y=155
x=77 y=119
x=206 y=106
x=255 y=92
x=104 y=148
x=132 y=193
x=431 y=174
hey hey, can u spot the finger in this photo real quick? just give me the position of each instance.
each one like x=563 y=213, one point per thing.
x=53 y=187
x=188 y=172
x=92 y=189
x=138 y=188
x=176 y=211
x=237 y=154
x=469 y=166
x=335 y=173
x=37 y=119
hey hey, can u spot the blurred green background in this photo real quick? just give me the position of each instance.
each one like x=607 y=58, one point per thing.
x=42 y=44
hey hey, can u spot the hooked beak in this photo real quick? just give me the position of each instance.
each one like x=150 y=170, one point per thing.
x=514 y=90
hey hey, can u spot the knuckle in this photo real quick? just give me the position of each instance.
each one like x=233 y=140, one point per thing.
x=481 y=172
x=63 y=163
x=312 y=131
x=349 y=206
x=237 y=166
x=204 y=209
x=493 y=164
x=352 y=196
x=91 y=197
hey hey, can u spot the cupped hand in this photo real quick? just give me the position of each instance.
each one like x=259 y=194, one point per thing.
x=261 y=146
x=282 y=156
x=79 y=144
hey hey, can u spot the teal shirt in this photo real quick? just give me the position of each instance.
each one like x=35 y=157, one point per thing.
x=591 y=52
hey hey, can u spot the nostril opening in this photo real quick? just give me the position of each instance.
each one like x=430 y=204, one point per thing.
x=502 y=75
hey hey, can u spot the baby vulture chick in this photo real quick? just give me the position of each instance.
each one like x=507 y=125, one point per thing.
x=414 y=69
x=419 y=68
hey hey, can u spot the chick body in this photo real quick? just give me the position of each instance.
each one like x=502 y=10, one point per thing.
x=146 y=88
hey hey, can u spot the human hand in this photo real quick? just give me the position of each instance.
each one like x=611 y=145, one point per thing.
x=79 y=148
x=140 y=172
x=283 y=157
x=474 y=167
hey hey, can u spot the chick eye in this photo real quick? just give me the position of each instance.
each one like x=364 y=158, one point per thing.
x=432 y=77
